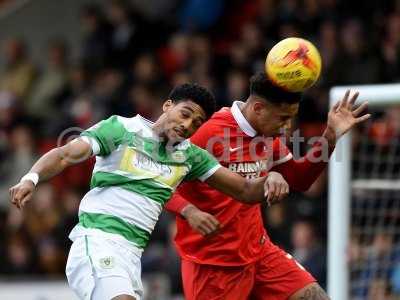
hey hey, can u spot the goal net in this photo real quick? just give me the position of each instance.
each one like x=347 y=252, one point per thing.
x=364 y=201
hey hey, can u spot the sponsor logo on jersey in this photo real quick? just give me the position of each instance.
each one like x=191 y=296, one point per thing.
x=145 y=162
x=233 y=149
x=248 y=169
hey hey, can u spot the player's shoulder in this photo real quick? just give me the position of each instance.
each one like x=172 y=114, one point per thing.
x=195 y=151
x=223 y=115
x=192 y=153
x=132 y=124
x=119 y=119
x=190 y=147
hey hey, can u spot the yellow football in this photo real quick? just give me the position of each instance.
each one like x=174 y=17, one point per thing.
x=293 y=64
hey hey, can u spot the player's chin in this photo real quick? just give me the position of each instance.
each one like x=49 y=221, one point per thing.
x=174 y=137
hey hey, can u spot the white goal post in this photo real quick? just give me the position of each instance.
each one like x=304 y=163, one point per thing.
x=341 y=185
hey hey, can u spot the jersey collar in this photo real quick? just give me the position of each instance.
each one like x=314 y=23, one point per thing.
x=147 y=126
x=241 y=120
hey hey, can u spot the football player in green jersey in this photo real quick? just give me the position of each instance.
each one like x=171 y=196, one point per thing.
x=138 y=166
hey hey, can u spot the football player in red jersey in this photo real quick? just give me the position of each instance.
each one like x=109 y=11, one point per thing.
x=240 y=262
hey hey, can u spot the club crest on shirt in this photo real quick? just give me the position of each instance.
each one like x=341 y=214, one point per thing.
x=178 y=156
x=107 y=262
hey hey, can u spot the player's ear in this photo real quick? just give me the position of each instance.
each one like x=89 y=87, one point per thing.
x=167 y=105
x=258 y=107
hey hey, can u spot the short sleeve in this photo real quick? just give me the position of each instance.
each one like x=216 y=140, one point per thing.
x=280 y=152
x=202 y=164
x=106 y=135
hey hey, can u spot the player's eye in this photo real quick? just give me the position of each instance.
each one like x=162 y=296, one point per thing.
x=185 y=114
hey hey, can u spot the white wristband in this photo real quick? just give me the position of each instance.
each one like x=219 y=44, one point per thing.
x=34 y=177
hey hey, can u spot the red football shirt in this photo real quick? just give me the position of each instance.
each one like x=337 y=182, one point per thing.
x=242 y=238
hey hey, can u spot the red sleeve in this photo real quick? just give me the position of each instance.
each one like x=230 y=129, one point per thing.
x=280 y=152
x=176 y=203
x=302 y=173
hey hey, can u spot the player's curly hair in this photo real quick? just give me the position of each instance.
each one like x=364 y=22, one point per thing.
x=262 y=86
x=196 y=93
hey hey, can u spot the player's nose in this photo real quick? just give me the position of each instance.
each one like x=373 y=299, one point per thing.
x=187 y=124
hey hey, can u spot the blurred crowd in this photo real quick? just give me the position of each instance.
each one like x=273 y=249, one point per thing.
x=128 y=63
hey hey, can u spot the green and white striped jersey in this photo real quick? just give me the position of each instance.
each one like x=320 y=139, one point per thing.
x=134 y=175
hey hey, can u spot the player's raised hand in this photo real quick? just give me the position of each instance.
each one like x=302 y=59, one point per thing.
x=22 y=193
x=344 y=115
x=202 y=222
x=275 y=187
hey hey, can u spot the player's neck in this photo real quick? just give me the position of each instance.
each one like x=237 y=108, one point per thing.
x=158 y=127
x=246 y=112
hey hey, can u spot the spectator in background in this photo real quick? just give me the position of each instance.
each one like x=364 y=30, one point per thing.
x=379 y=289
x=74 y=104
x=172 y=262
x=20 y=153
x=288 y=10
x=105 y=92
x=390 y=49
x=379 y=268
x=310 y=16
x=180 y=78
x=96 y=42
x=236 y=87
x=50 y=84
x=69 y=202
x=127 y=39
x=143 y=100
x=174 y=57
x=44 y=214
x=328 y=47
x=200 y=57
x=199 y=15
x=20 y=255
x=8 y=115
x=355 y=64
x=276 y=222
x=308 y=251
x=51 y=259
x=251 y=38
x=146 y=70
x=78 y=81
x=19 y=72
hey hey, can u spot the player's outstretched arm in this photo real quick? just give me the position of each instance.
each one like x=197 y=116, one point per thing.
x=302 y=173
x=48 y=166
x=272 y=187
